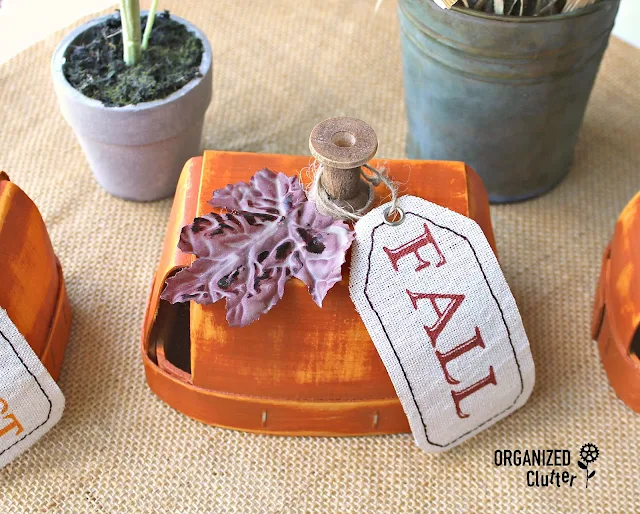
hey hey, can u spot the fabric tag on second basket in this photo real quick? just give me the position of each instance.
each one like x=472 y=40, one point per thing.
x=442 y=317
x=30 y=400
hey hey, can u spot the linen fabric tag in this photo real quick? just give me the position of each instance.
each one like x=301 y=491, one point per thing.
x=30 y=400
x=438 y=308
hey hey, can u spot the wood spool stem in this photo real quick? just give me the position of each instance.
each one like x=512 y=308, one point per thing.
x=342 y=184
x=342 y=146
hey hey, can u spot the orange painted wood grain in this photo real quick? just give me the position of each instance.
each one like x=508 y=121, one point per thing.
x=32 y=290
x=299 y=369
x=616 y=312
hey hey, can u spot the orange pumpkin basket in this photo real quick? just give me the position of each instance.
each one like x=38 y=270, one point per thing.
x=616 y=311
x=298 y=370
x=32 y=289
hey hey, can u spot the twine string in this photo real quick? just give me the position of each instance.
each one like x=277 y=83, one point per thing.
x=327 y=205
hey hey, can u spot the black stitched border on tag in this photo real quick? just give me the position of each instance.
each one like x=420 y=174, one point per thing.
x=41 y=389
x=398 y=358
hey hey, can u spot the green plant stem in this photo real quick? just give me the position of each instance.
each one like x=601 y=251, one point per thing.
x=147 y=29
x=130 y=16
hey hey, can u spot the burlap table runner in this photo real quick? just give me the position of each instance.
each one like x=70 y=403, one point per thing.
x=280 y=67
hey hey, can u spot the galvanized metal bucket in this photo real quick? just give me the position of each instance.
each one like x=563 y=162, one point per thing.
x=505 y=94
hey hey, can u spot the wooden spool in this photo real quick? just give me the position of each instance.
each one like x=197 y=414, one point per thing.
x=342 y=146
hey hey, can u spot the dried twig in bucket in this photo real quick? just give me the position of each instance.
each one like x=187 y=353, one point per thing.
x=512 y=8
x=545 y=8
x=574 y=5
x=446 y=4
x=517 y=7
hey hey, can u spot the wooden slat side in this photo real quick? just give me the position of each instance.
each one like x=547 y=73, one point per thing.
x=182 y=212
x=277 y=417
x=479 y=205
x=30 y=276
x=622 y=293
x=53 y=355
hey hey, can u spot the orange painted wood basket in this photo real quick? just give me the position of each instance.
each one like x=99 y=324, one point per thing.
x=299 y=369
x=32 y=290
x=616 y=311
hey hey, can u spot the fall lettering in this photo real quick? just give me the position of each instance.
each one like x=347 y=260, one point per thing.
x=13 y=423
x=412 y=247
x=454 y=301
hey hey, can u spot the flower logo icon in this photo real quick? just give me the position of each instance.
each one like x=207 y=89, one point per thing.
x=589 y=453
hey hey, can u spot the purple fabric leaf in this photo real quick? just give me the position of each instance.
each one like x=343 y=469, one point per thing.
x=267 y=192
x=247 y=255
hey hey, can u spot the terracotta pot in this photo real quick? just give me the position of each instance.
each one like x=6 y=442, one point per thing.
x=137 y=151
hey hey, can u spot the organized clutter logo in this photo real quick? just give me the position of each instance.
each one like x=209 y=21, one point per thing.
x=589 y=453
x=550 y=467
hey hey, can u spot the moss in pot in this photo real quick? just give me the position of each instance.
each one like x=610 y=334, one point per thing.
x=136 y=102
